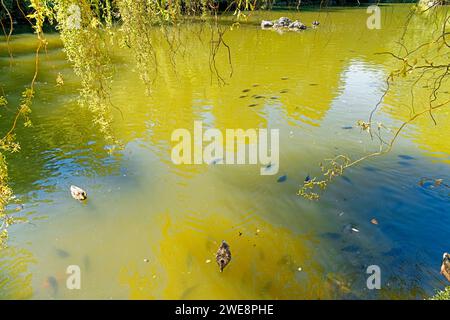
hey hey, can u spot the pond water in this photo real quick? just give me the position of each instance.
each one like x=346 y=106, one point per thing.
x=150 y=228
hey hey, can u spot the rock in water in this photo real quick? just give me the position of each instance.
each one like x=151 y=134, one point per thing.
x=445 y=268
x=297 y=25
x=78 y=193
x=266 y=24
x=283 y=22
x=223 y=255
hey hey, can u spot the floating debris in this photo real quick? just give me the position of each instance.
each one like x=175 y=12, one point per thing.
x=146 y=260
x=78 y=193
x=374 y=221
x=257 y=231
x=208 y=261
x=283 y=178
x=445 y=268
x=223 y=255
x=431 y=183
x=299 y=269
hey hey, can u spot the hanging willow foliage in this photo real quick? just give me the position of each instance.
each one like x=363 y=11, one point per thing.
x=86 y=30
x=82 y=30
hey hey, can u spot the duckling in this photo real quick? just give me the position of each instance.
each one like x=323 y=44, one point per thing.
x=223 y=255
x=78 y=193
x=445 y=268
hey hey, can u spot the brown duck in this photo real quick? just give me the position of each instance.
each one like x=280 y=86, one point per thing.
x=445 y=268
x=223 y=255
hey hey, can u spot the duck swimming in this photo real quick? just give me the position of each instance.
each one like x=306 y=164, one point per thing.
x=445 y=268
x=223 y=255
x=78 y=193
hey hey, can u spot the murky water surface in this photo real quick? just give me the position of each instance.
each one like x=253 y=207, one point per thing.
x=150 y=229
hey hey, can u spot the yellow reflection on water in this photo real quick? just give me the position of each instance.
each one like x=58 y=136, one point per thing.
x=268 y=262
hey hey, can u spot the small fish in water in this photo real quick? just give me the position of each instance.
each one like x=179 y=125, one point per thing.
x=370 y=169
x=273 y=98
x=255 y=85
x=406 y=157
x=252 y=105
x=282 y=178
x=331 y=235
x=284 y=78
x=52 y=283
x=223 y=255
x=404 y=163
x=246 y=90
x=284 y=91
x=258 y=97
x=349 y=228
x=347 y=179
x=62 y=253
x=445 y=268
x=216 y=161
x=243 y=96
x=313 y=84
x=347 y=127
x=78 y=193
